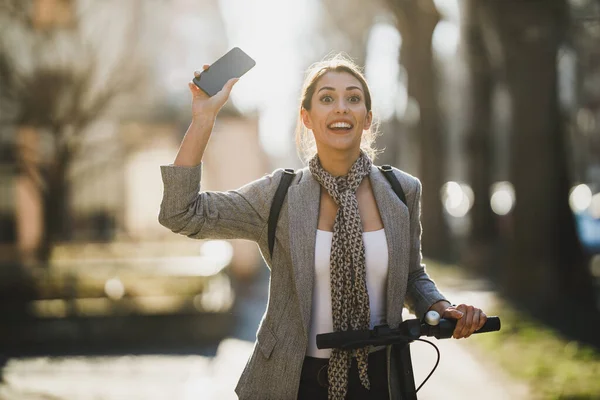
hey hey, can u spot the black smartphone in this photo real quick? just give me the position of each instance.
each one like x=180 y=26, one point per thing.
x=233 y=64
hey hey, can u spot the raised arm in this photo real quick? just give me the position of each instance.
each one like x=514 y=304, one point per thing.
x=185 y=209
x=235 y=214
x=204 y=114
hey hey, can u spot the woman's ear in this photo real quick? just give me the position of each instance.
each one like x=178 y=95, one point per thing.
x=305 y=118
x=368 y=120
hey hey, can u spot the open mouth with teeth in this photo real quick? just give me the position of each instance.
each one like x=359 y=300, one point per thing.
x=340 y=126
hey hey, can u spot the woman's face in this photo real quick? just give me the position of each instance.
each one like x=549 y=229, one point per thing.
x=338 y=113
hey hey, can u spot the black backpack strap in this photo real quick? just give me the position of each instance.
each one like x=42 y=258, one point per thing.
x=280 y=194
x=389 y=174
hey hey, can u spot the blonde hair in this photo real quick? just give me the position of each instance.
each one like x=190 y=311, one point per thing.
x=305 y=142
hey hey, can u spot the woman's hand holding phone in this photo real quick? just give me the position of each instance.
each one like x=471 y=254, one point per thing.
x=210 y=91
x=204 y=113
x=204 y=105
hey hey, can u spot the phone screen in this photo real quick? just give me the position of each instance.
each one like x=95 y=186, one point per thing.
x=233 y=64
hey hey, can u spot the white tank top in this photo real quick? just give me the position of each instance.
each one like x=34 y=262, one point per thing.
x=376 y=254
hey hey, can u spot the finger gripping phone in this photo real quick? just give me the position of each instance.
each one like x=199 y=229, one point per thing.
x=233 y=64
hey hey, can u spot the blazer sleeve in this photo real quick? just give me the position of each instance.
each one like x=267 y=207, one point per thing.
x=421 y=291
x=235 y=214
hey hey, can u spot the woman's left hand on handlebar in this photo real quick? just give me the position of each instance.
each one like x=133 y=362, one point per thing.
x=469 y=319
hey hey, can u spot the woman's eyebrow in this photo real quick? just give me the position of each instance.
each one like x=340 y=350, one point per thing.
x=333 y=89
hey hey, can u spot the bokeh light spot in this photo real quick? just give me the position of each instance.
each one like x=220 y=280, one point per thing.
x=580 y=198
x=114 y=288
x=457 y=198
x=503 y=198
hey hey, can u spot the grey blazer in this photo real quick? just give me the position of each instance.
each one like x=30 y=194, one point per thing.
x=273 y=370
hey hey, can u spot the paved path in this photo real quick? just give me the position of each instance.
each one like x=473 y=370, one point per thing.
x=127 y=377
x=462 y=373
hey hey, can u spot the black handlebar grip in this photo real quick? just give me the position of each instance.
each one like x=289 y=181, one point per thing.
x=445 y=328
x=340 y=339
x=491 y=325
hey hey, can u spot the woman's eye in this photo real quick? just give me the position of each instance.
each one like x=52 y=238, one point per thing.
x=326 y=99
x=354 y=99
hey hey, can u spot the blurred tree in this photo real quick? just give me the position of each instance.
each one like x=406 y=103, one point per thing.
x=478 y=256
x=3 y=362
x=546 y=269
x=582 y=76
x=350 y=38
x=56 y=80
x=416 y=21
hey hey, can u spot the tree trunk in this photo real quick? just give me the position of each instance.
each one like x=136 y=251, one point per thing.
x=479 y=255
x=546 y=266
x=390 y=141
x=57 y=211
x=416 y=23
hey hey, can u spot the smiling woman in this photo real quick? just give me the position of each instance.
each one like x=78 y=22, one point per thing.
x=347 y=251
x=342 y=96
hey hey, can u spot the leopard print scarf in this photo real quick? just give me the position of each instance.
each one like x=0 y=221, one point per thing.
x=349 y=297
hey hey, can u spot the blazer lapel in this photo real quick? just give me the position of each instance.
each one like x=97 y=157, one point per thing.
x=304 y=201
x=396 y=222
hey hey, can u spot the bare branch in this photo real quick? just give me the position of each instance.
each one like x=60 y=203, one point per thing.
x=17 y=9
x=404 y=10
x=59 y=90
x=122 y=77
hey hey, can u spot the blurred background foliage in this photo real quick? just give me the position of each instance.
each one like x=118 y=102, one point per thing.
x=493 y=104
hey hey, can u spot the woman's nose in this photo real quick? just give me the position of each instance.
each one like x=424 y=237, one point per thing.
x=341 y=107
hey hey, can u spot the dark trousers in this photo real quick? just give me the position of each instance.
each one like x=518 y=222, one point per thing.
x=313 y=379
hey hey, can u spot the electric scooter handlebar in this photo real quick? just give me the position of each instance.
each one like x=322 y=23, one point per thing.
x=409 y=330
